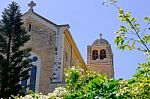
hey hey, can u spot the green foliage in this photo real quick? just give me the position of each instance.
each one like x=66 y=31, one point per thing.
x=139 y=85
x=146 y=38
x=147 y=19
x=132 y=36
x=89 y=85
x=14 y=62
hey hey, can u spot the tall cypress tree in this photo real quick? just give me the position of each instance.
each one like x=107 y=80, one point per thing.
x=15 y=63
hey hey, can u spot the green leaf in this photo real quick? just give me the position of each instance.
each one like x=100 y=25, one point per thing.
x=123 y=29
x=134 y=19
x=132 y=80
x=129 y=47
x=121 y=11
x=128 y=15
x=122 y=47
x=133 y=44
x=147 y=19
x=147 y=38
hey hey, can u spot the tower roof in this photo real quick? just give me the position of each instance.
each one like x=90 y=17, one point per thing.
x=100 y=41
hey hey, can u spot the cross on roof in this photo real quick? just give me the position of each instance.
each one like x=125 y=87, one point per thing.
x=31 y=5
x=100 y=35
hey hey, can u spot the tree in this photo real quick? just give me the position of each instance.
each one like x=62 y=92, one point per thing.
x=132 y=37
x=15 y=63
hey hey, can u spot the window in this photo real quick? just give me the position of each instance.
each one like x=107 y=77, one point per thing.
x=102 y=54
x=34 y=59
x=54 y=78
x=29 y=28
x=59 y=67
x=33 y=78
x=55 y=48
x=55 y=53
x=54 y=73
x=94 y=55
x=66 y=57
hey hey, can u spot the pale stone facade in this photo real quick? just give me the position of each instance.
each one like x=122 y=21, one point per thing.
x=53 y=49
x=100 y=57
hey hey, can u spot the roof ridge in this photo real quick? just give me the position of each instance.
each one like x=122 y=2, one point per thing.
x=47 y=20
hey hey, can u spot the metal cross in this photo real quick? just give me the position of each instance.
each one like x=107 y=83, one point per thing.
x=31 y=5
x=100 y=35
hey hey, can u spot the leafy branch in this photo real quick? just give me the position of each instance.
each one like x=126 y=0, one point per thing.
x=123 y=33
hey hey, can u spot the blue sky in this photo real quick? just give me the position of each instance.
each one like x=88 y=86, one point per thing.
x=88 y=18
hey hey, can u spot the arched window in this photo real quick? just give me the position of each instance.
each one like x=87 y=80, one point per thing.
x=33 y=78
x=94 y=55
x=29 y=28
x=102 y=54
x=33 y=81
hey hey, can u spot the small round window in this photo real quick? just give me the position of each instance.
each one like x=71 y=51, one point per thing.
x=34 y=59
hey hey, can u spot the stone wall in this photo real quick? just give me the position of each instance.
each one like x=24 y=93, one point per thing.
x=42 y=42
x=102 y=66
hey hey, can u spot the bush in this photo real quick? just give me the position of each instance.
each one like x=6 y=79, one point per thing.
x=59 y=93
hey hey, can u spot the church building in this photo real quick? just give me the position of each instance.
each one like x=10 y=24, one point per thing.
x=54 y=49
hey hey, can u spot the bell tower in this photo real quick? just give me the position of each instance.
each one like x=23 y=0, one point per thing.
x=100 y=57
